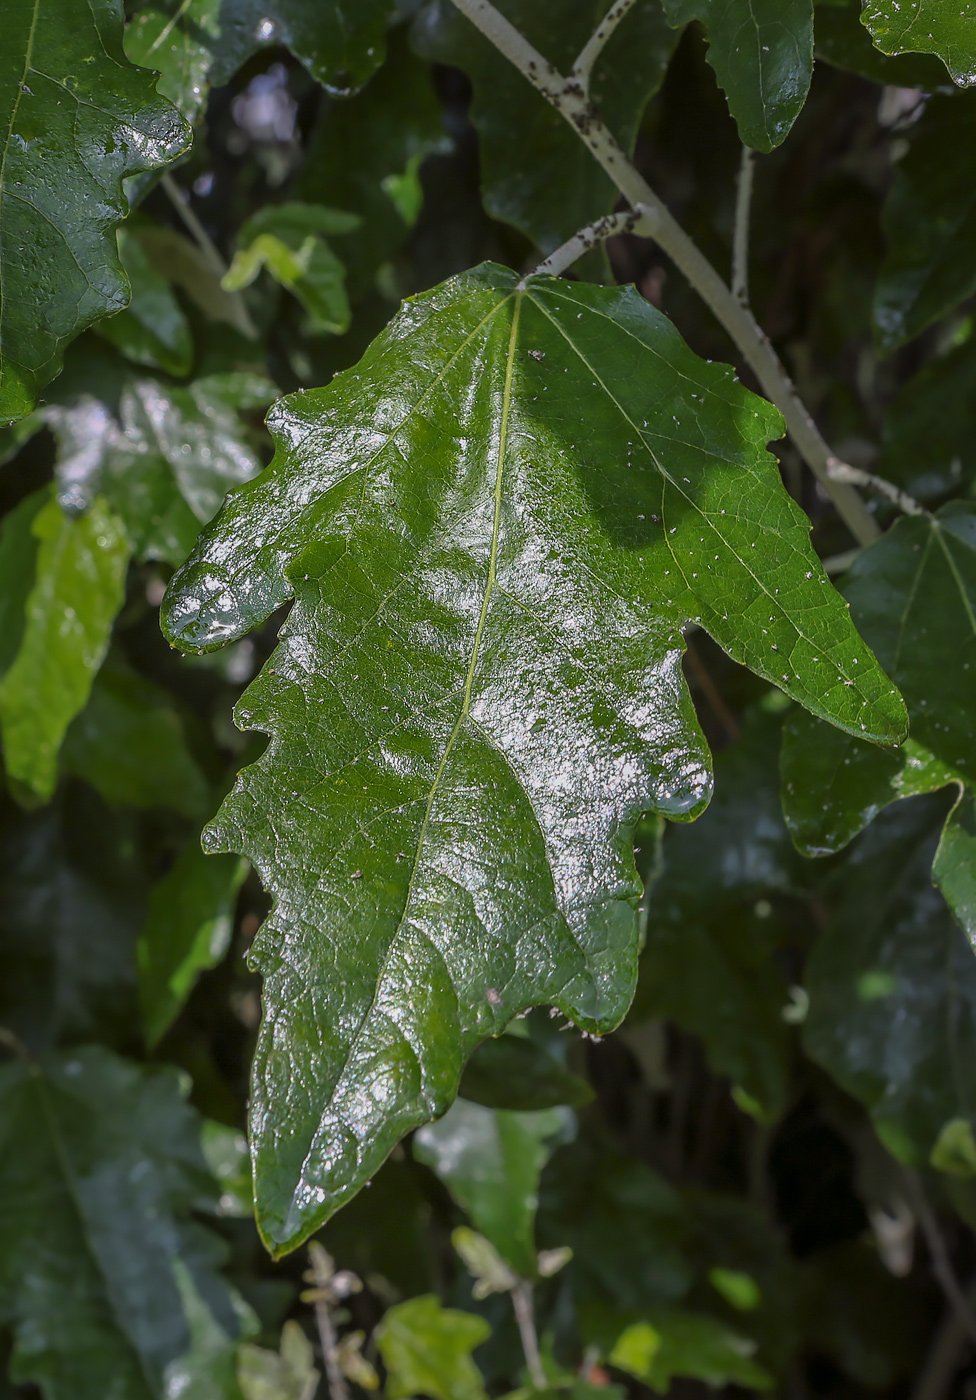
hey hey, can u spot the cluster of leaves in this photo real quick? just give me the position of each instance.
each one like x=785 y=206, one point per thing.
x=546 y=589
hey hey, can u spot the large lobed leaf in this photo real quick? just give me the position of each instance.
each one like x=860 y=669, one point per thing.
x=75 y=119
x=492 y=549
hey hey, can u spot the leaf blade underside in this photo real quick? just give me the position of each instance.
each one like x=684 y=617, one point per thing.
x=479 y=688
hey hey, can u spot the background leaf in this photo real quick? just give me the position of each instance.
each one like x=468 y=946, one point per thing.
x=79 y=119
x=426 y=1349
x=340 y=42
x=942 y=27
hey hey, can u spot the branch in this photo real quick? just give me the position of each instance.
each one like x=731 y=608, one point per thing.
x=626 y=221
x=843 y=471
x=570 y=100
x=525 y=1317
x=322 y=1274
x=941 y=1263
x=740 y=239
x=180 y=202
x=591 y=50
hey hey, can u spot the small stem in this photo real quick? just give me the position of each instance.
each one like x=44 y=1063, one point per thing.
x=945 y=1356
x=710 y=690
x=941 y=1263
x=322 y=1271
x=625 y=221
x=13 y=1042
x=570 y=100
x=525 y=1317
x=583 y=67
x=843 y=471
x=740 y=238
x=209 y=249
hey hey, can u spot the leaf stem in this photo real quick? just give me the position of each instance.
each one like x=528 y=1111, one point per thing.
x=180 y=202
x=624 y=221
x=582 y=69
x=569 y=98
x=740 y=238
x=322 y=1272
x=843 y=471
x=525 y=1317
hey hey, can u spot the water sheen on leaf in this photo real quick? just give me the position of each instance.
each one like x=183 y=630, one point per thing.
x=75 y=119
x=492 y=550
x=943 y=27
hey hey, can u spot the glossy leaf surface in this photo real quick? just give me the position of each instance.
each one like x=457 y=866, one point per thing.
x=930 y=223
x=943 y=27
x=77 y=118
x=426 y=1349
x=340 y=42
x=178 y=41
x=79 y=586
x=450 y=529
x=187 y=930
x=102 y=1158
x=762 y=53
x=506 y=108
x=892 y=985
x=491 y=1160
x=841 y=40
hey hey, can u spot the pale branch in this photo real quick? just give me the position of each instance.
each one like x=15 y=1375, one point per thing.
x=322 y=1273
x=525 y=1317
x=583 y=67
x=740 y=238
x=855 y=476
x=570 y=100
x=181 y=203
x=624 y=221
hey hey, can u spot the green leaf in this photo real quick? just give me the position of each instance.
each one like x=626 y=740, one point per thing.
x=762 y=53
x=360 y=149
x=913 y=597
x=71 y=887
x=481 y=670
x=287 y=1374
x=491 y=1160
x=102 y=1159
x=185 y=265
x=841 y=39
x=426 y=1350
x=177 y=41
x=208 y=1369
x=226 y=1154
x=18 y=568
x=78 y=119
x=520 y=133
x=930 y=223
x=674 y=1343
x=128 y=742
x=943 y=27
x=285 y=239
x=892 y=985
x=513 y=1072
x=928 y=441
x=188 y=929
x=79 y=587
x=152 y=330
x=340 y=42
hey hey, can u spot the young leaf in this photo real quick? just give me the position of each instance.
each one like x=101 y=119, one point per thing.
x=79 y=587
x=103 y=1160
x=128 y=743
x=286 y=239
x=519 y=131
x=676 y=1343
x=79 y=119
x=340 y=42
x=930 y=223
x=152 y=329
x=762 y=53
x=481 y=671
x=943 y=27
x=287 y=1374
x=426 y=1350
x=892 y=984
x=490 y=1161
x=187 y=930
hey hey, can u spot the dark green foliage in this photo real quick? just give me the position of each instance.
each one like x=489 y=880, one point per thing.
x=566 y=952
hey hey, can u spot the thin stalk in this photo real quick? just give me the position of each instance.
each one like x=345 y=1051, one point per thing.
x=740 y=238
x=328 y=1338
x=209 y=249
x=582 y=69
x=525 y=1317
x=942 y=1268
x=843 y=471
x=945 y=1357
x=570 y=99
x=625 y=221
